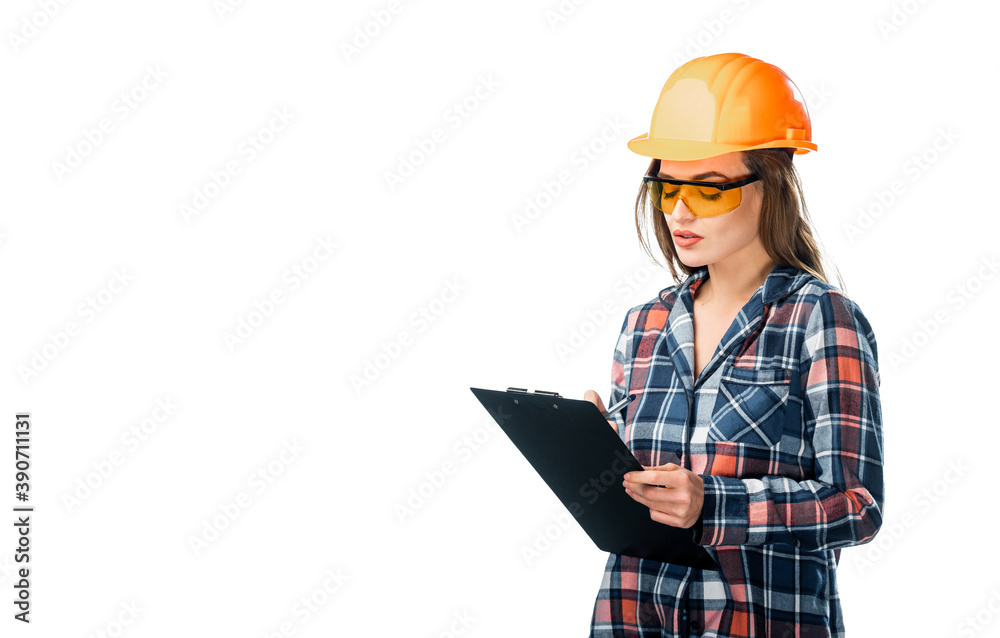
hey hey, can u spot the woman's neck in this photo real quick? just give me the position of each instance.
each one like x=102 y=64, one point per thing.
x=731 y=284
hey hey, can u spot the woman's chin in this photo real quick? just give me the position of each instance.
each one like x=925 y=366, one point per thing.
x=689 y=260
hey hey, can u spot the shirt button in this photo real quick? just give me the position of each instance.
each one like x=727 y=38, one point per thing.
x=694 y=625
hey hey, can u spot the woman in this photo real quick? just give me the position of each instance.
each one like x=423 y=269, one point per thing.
x=756 y=382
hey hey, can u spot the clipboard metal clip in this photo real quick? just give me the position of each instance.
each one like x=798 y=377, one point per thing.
x=536 y=392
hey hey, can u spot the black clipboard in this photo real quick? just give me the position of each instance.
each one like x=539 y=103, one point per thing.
x=582 y=459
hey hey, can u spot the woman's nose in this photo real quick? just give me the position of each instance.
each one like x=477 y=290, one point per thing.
x=681 y=212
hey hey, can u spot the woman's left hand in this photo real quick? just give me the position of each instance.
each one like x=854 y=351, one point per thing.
x=677 y=503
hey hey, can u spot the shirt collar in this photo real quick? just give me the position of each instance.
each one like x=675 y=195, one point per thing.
x=782 y=281
x=679 y=303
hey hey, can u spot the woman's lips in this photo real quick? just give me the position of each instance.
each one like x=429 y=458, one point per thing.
x=685 y=238
x=684 y=242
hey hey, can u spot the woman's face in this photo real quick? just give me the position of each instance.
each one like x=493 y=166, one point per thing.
x=730 y=234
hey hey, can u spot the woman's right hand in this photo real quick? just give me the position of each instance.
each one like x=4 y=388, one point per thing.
x=593 y=397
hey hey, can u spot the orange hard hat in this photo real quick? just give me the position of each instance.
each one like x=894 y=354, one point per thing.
x=724 y=103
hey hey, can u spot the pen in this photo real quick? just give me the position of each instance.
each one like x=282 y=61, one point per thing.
x=618 y=406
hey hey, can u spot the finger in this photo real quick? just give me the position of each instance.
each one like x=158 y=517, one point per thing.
x=595 y=398
x=669 y=467
x=663 y=511
x=653 y=494
x=660 y=478
x=637 y=496
x=667 y=492
x=643 y=497
x=668 y=519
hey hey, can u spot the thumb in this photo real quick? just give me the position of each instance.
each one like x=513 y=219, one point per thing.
x=593 y=397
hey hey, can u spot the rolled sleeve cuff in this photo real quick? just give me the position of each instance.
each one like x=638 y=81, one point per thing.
x=724 y=517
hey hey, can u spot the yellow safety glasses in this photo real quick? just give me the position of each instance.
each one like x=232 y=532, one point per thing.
x=703 y=199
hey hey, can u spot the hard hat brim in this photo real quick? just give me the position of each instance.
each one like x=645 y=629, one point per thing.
x=682 y=150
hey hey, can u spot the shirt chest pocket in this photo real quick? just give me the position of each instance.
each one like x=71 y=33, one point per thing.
x=750 y=406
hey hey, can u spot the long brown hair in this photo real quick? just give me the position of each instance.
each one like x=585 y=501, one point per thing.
x=785 y=226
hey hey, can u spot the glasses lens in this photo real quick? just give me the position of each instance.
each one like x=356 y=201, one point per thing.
x=702 y=201
x=655 y=192
x=706 y=201
x=663 y=196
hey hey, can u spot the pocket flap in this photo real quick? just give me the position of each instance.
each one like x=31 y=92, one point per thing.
x=753 y=376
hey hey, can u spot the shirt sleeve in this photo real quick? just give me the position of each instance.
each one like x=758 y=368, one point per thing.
x=843 y=504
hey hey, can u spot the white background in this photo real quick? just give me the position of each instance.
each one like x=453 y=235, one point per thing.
x=880 y=97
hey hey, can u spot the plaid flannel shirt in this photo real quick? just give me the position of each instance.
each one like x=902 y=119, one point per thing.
x=790 y=451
